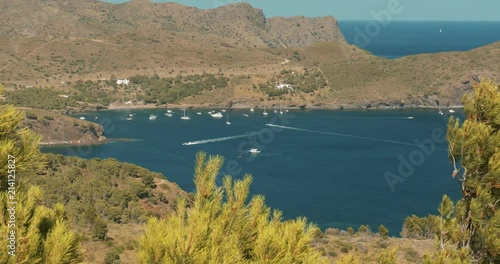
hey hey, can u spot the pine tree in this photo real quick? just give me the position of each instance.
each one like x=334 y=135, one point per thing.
x=221 y=227
x=474 y=148
x=39 y=234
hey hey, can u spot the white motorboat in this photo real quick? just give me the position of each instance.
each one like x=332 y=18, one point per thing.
x=187 y=143
x=265 y=113
x=245 y=115
x=227 y=120
x=169 y=111
x=129 y=118
x=223 y=110
x=252 y=110
x=153 y=117
x=451 y=111
x=199 y=113
x=254 y=151
x=217 y=115
x=168 y=114
x=82 y=118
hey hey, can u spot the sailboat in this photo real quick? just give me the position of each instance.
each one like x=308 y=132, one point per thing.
x=265 y=113
x=227 y=120
x=184 y=117
x=281 y=111
x=439 y=110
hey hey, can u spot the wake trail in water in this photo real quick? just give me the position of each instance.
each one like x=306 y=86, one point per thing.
x=206 y=141
x=348 y=135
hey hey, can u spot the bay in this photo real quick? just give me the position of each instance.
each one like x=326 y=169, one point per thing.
x=329 y=166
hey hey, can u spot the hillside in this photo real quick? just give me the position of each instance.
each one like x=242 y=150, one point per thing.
x=80 y=48
x=57 y=129
x=120 y=196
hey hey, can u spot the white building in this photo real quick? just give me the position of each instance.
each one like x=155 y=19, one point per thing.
x=282 y=86
x=123 y=82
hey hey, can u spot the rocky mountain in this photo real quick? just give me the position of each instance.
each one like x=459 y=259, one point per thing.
x=58 y=43
x=239 y=23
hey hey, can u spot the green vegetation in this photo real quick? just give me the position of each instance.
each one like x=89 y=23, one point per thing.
x=171 y=90
x=420 y=227
x=222 y=228
x=40 y=234
x=93 y=92
x=473 y=223
x=307 y=82
x=98 y=191
x=40 y=98
x=383 y=231
x=388 y=256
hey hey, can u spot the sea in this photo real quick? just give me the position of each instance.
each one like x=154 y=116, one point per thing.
x=337 y=168
x=401 y=38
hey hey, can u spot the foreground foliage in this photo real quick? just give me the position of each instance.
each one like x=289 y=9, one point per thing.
x=470 y=229
x=37 y=234
x=222 y=227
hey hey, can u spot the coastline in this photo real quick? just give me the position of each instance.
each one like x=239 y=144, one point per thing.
x=259 y=106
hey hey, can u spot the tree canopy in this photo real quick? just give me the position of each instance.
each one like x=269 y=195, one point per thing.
x=221 y=227
x=470 y=229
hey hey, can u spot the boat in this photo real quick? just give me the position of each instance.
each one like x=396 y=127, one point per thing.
x=223 y=110
x=254 y=151
x=410 y=117
x=265 y=113
x=227 y=120
x=169 y=111
x=168 y=114
x=451 y=111
x=185 y=117
x=187 y=143
x=217 y=115
x=199 y=113
x=153 y=117
x=245 y=115
x=129 y=118
x=439 y=110
x=252 y=110
x=82 y=118
x=281 y=111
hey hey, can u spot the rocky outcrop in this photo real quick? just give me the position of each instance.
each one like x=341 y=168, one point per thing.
x=56 y=129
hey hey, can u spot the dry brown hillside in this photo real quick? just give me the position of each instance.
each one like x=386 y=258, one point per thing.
x=54 y=43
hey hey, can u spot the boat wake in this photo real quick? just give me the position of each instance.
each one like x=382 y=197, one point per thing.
x=207 y=141
x=347 y=135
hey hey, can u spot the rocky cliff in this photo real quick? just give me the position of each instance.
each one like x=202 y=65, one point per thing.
x=56 y=129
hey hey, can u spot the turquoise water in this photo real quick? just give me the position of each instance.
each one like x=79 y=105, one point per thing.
x=401 y=38
x=326 y=165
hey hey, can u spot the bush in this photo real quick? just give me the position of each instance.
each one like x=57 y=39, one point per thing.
x=31 y=116
x=112 y=257
x=383 y=232
x=364 y=229
x=99 y=230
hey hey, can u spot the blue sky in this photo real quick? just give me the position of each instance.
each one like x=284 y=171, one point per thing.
x=364 y=9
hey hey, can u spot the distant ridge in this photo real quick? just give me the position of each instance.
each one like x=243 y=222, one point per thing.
x=240 y=22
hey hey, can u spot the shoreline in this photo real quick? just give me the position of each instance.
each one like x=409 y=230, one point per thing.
x=112 y=107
